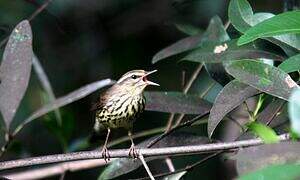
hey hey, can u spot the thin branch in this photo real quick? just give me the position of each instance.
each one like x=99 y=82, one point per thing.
x=30 y=18
x=118 y=153
x=187 y=168
x=141 y=157
x=170 y=164
x=56 y=169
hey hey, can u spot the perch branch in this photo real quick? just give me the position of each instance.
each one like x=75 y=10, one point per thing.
x=118 y=153
x=141 y=157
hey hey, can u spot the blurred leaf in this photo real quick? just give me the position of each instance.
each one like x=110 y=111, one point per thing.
x=15 y=70
x=231 y=96
x=175 y=176
x=62 y=131
x=287 y=22
x=284 y=171
x=123 y=166
x=242 y=18
x=291 y=64
x=176 y=102
x=178 y=47
x=188 y=29
x=263 y=77
x=67 y=99
x=294 y=111
x=45 y=83
x=257 y=157
x=266 y=133
x=229 y=51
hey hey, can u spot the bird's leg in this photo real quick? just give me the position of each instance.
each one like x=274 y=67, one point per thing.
x=104 y=151
x=132 y=151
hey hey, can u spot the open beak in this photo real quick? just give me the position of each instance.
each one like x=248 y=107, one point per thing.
x=147 y=81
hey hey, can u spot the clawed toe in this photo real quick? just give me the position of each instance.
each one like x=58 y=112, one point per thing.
x=133 y=152
x=105 y=154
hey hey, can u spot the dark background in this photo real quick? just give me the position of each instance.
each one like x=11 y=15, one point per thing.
x=81 y=41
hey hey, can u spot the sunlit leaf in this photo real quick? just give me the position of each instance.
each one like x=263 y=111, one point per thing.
x=263 y=77
x=67 y=99
x=257 y=157
x=266 y=133
x=221 y=52
x=231 y=96
x=287 y=22
x=242 y=18
x=15 y=70
x=123 y=166
x=291 y=64
x=176 y=102
x=283 y=171
x=294 y=111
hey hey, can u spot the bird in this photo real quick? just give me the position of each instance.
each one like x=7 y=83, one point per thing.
x=121 y=105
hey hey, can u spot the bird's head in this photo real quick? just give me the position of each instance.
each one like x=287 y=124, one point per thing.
x=135 y=81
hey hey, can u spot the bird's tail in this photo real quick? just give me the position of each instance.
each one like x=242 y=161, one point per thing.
x=98 y=134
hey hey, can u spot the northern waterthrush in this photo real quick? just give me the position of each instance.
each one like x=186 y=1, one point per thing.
x=120 y=106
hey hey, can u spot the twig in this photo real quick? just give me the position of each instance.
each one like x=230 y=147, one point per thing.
x=187 y=123
x=170 y=164
x=141 y=157
x=31 y=17
x=166 y=151
x=187 y=168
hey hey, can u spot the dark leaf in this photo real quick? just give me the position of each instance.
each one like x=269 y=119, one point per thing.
x=176 y=102
x=188 y=29
x=231 y=96
x=176 y=176
x=15 y=70
x=178 y=47
x=291 y=64
x=124 y=165
x=270 y=112
x=67 y=99
x=287 y=22
x=263 y=77
x=45 y=84
x=257 y=157
x=266 y=133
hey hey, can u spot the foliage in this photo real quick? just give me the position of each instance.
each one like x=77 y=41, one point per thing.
x=245 y=84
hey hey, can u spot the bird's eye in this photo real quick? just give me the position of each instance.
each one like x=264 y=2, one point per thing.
x=134 y=76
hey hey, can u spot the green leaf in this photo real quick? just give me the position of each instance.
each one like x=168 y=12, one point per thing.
x=263 y=77
x=291 y=64
x=176 y=102
x=242 y=18
x=294 y=111
x=288 y=22
x=231 y=96
x=275 y=172
x=221 y=52
x=266 y=133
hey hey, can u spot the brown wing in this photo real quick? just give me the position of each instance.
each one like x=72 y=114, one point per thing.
x=100 y=103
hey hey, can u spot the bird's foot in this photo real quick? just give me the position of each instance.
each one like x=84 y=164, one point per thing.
x=105 y=154
x=133 y=152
